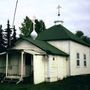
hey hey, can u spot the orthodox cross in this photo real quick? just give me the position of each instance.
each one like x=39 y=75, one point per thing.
x=58 y=10
x=59 y=21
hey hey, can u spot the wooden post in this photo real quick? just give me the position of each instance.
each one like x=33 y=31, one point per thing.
x=49 y=68
x=22 y=64
x=6 y=64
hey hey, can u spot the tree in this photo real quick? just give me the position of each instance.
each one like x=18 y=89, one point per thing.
x=42 y=24
x=8 y=37
x=79 y=34
x=2 y=48
x=39 y=26
x=26 y=27
x=86 y=39
x=14 y=38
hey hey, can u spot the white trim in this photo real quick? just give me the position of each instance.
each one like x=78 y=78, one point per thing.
x=69 y=44
x=49 y=74
x=22 y=64
x=31 y=52
x=13 y=77
x=2 y=53
x=6 y=64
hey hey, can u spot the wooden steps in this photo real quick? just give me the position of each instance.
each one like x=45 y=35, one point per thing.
x=9 y=80
x=15 y=80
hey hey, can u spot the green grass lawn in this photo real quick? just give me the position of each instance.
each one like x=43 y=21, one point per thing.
x=70 y=83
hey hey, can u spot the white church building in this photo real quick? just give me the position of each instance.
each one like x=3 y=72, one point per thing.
x=55 y=54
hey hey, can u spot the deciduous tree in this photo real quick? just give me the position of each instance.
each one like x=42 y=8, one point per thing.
x=39 y=26
x=79 y=33
x=26 y=27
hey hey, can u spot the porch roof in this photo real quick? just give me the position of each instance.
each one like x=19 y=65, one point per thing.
x=3 y=53
x=49 y=49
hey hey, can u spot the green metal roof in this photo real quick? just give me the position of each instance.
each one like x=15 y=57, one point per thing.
x=59 y=32
x=49 y=49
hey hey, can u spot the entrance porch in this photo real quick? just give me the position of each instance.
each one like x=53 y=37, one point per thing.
x=19 y=66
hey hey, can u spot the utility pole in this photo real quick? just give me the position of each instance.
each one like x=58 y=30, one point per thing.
x=14 y=13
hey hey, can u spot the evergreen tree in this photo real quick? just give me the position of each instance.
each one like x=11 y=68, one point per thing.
x=14 y=36
x=2 y=48
x=8 y=33
x=26 y=27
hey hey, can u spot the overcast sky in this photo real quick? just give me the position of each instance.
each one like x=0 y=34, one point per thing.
x=74 y=13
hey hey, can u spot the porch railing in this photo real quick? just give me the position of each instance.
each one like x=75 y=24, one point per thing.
x=13 y=70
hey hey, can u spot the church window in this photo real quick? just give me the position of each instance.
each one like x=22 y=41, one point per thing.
x=53 y=58
x=78 y=56
x=85 y=63
x=78 y=59
x=78 y=62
